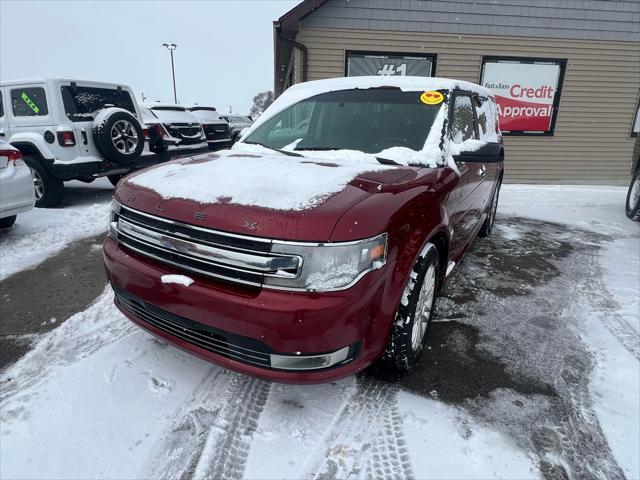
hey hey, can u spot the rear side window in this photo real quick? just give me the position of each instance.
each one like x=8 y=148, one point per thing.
x=29 y=102
x=486 y=112
x=463 y=126
x=82 y=103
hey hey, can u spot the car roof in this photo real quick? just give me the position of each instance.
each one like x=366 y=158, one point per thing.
x=405 y=83
x=23 y=81
x=153 y=105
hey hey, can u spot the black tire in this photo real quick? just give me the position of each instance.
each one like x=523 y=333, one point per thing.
x=114 y=179
x=408 y=337
x=6 y=222
x=632 y=205
x=489 y=222
x=49 y=190
x=118 y=136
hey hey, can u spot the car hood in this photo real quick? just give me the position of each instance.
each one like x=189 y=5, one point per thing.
x=264 y=195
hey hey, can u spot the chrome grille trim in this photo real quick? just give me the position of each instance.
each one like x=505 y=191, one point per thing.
x=210 y=253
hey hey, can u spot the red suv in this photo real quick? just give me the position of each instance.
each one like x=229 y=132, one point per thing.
x=317 y=245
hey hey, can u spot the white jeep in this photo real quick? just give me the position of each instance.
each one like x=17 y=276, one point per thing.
x=72 y=130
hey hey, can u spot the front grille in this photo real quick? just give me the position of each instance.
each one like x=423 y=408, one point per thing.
x=235 y=347
x=217 y=132
x=184 y=131
x=220 y=255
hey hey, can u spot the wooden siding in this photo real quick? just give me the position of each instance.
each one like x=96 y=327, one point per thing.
x=591 y=142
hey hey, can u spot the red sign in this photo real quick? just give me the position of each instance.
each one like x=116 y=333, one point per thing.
x=525 y=94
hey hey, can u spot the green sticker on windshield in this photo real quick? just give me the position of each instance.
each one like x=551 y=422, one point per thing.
x=29 y=102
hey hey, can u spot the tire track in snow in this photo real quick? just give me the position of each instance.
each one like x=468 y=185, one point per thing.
x=596 y=292
x=211 y=436
x=389 y=456
x=225 y=453
x=365 y=439
x=178 y=453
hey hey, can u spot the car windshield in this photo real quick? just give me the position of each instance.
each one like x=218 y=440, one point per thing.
x=80 y=103
x=368 y=120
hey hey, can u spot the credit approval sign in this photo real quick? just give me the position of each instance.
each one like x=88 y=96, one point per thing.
x=527 y=92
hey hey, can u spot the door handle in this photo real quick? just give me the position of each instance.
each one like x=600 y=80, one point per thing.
x=482 y=171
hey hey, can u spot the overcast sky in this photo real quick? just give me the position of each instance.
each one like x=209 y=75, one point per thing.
x=224 y=55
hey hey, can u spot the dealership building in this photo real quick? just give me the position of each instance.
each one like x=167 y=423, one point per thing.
x=566 y=73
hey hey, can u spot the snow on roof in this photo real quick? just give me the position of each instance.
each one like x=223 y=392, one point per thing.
x=152 y=105
x=23 y=81
x=405 y=83
x=302 y=91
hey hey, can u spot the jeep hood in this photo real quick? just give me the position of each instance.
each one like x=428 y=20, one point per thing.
x=264 y=195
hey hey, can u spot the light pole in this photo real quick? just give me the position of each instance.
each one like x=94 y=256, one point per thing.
x=171 y=47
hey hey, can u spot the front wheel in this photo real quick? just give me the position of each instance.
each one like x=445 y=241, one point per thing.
x=632 y=206
x=48 y=189
x=412 y=322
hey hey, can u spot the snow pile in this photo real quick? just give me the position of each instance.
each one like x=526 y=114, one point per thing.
x=177 y=279
x=270 y=181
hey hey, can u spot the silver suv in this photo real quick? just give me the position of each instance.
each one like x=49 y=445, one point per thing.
x=72 y=130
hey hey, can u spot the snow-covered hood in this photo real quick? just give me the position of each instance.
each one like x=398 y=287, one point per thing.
x=291 y=198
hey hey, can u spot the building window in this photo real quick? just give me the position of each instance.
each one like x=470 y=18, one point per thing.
x=358 y=64
x=527 y=92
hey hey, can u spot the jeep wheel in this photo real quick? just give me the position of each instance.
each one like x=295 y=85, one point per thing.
x=412 y=322
x=114 y=179
x=118 y=135
x=632 y=206
x=48 y=189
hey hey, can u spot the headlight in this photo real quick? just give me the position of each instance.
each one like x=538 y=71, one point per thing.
x=331 y=266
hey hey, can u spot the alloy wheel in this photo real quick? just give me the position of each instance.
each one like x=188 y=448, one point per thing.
x=38 y=184
x=124 y=136
x=423 y=308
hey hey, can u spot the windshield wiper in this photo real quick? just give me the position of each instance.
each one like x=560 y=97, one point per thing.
x=284 y=152
x=386 y=161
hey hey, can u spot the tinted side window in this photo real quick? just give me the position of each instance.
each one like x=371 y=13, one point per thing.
x=1 y=106
x=81 y=102
x=486 y=113
x=29 y=102
x=463 y=127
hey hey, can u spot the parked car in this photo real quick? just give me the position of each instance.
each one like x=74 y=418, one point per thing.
x=173 y=128
x=237 y=123
x=215 y=127
x=312 y=248
x=632 y=205
x=72 y=129
x=16 y=185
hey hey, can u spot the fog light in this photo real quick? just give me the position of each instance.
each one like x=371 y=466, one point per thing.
x=309 y=362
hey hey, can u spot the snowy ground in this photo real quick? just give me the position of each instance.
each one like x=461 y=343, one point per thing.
x=40 y=233
x=533 y=371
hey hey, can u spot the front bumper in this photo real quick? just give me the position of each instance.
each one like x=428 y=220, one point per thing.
x=261 y=321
